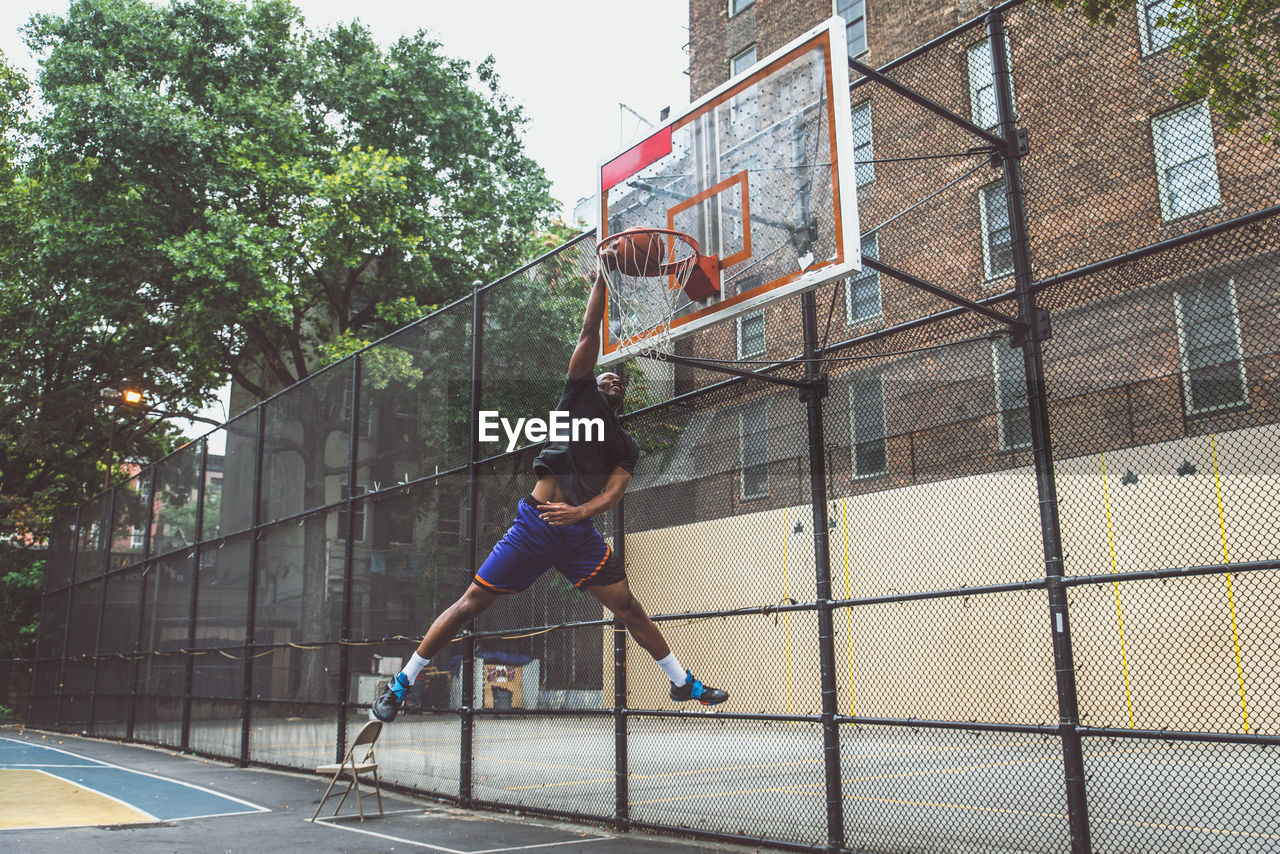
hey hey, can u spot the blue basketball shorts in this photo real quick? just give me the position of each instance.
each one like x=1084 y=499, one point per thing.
x=531 y=547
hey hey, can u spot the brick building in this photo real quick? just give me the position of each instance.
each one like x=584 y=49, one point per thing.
x=1161 y=373
x=1117 y=163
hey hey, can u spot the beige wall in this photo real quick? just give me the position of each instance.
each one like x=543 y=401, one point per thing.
x=989 y=657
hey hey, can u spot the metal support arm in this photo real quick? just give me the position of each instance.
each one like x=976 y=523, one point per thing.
x=725 y=369
x=1016 y=326
x=996 y=142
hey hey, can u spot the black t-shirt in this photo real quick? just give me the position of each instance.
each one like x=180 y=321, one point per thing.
x=582 y=467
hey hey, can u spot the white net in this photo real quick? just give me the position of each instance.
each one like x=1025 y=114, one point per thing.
x=646 y=271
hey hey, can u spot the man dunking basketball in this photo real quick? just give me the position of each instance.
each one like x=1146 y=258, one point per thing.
x=576 y=480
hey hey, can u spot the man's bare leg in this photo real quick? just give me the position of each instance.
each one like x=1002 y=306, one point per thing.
x=471 y=604
x=474 y=602
x=618 y=599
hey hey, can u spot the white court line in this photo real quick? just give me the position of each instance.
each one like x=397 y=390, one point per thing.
x=210 y=815
x=390 y=838
x=335 y=818
x=4 y=765
x=541 y=845
x=100 y=763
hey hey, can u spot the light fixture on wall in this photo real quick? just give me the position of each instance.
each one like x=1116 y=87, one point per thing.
x=1129 y=479
x=1186 y=469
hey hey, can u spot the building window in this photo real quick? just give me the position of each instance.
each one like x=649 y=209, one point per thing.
x=997 y=239
x=864 y=167
x=754 y=450
x=982 y=85
x=1209 y=347
x=1154 y=36
x=393 y=523
x=736 y=6
x=751 y=335
x=356 y=507
x=405 y=424
x=744 y=107
x=366 y=413
x=137 y=538
x=866 y=402
x=862 y=291
x=1013 y=414
x=854 y=13
x=449 y=518
x=1186 y=168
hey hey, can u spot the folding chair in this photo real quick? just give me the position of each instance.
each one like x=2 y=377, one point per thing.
x=368 y=735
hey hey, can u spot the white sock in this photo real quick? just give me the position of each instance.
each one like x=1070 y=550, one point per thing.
x=674 y=671
x=414 y=667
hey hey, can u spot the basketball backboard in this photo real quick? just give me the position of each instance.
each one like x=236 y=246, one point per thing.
x=760 y=173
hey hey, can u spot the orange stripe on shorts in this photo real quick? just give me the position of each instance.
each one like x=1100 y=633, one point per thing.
x=494 y=587
x=608 y=550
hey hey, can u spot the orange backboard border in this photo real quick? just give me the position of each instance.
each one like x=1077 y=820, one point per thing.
x=848 y=260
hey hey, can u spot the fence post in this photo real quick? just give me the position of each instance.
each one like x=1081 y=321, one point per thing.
x=189 y=676
x=812 y=396
x=473 y=503
x=102 y=609
x=66 y=621
x=348 y=563
x=622 y=812
x=142 y=605
x=250 y=628
x=1041 y=441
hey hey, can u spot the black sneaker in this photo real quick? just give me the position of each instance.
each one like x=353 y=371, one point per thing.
x=692 y=689
x=387 y=706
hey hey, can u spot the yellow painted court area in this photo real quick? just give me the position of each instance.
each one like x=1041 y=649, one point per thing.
x=30 y=799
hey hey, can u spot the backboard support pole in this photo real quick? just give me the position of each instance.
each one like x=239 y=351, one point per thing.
x=915 y=97
x=1035 y=320
x=737 y=372
x=1014 y=324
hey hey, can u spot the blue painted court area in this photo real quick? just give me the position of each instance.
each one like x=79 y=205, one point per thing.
x=151 y=796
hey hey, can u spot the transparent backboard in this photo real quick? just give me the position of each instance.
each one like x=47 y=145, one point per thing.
x=760 y=172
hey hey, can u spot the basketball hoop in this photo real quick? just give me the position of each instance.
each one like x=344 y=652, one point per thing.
x=653 y=275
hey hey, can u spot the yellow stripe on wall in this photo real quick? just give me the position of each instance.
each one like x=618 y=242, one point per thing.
x=1231 y=598
x=1111 y=544
x=786 y=592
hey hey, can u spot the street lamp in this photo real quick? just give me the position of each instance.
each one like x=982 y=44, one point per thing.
x=130 y=397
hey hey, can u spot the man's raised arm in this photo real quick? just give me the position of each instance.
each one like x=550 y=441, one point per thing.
x=584 y=355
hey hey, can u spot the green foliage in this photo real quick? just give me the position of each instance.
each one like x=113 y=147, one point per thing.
x=287 y=195
x=14 y=102
x=1231 y=53
x=64 y=342
x=213 y=190
x=21 y=580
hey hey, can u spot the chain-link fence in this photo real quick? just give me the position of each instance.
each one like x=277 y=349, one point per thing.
x=965 y=596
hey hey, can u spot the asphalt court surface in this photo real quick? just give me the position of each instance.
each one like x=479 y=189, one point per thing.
x=904 y=790
x=43 y=785
x=170 y=796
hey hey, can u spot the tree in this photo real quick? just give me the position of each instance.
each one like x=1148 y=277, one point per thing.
x=53 y=426
x=1231 y=51
x=273 y=188
x=265 y=197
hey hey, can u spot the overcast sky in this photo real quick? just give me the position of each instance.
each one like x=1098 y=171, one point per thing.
x=570 y=63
